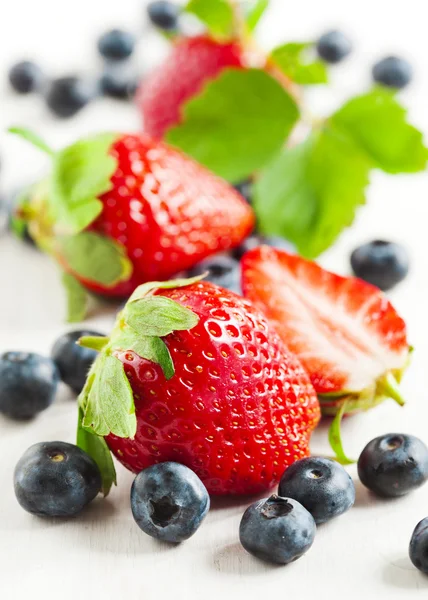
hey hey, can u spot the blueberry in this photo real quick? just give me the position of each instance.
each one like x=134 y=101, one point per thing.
x=66 y=96
x=277 y=530
x=321 y=485
x=380 y=263
x=223 y=270
x=393 y=465
x=117 y=84
x=25 y=77
x=255 y=240
x=333 y=46
x=28 y=384
x=116 y=44
x=169 y=501
x=73 y=361
x=245 y=188
x=164 y=14
x=55 y=479
x=418 y=548
x=393 y=71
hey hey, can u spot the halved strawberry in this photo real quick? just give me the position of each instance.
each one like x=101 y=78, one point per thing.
x=345 y=332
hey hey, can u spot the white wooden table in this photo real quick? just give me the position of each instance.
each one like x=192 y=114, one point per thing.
x=103 y=554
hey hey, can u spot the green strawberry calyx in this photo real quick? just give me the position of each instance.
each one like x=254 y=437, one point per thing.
x=106 y=403
x=59 y=209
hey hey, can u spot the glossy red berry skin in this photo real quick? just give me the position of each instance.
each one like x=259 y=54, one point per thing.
x=239 y=409
x=190 y=65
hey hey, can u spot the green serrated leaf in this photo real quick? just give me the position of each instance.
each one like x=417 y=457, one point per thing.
x=145 y=288
x=77 y=298
x=254 y=12
x=216 y=14
x=237 y=124
x=110 y=401
x=150 y=348
x=295 y=61
x=311 y=192
x=95 y=258
x=335 y=438
x=159 y=316
x=80 y=174
x=377 y=124
x=98 y=450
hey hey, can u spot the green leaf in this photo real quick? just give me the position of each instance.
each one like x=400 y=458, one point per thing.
x=145 y=288
x=33 y=138
x=110 y=401
x=237 y=124
x=216 y=14
x=94 y=342
x=159 y=316
x=311 y=192
x=335 y=437
x=377 y=123
x=81 y=173
x=95 y=258
x=295 y=61
x=254 y=12
x=150 y=348
x=98 y=450
x=77 y=298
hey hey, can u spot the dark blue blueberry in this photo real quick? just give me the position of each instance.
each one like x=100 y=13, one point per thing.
x=28 y=384
x=66 y=96
x=321 y=485
x=73 y=361
x=223 y=270
x=381 y=263
x=393 y=71
x=169 y=502
x=118 y=84
x=255 y=240
x=393 y=465
x=116 y=44
x=276 y=529
x=25 y=77
x=164 y=14
x=334 y=46
x=245 y=188
x=55 y=479
x=418 y=549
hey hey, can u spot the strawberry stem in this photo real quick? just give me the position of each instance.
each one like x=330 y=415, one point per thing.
x=389 y=387
x=93 y=342
x=335 y=437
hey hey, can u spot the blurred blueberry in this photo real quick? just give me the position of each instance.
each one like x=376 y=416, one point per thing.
x=393 y=71
x=66 y=96
x=164 y=14
x=116 y=45
x=255 y=240
x=381 y=263
x=223 y=270
x=333 y=46
x=25 y=77
x=117 y=83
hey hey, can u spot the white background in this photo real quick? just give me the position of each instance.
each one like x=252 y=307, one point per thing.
x=102 y=553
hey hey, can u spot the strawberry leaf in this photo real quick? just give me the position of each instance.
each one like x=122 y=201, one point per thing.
x=377 y=124
x=80 y=174
x=96 y=447
x=77 y=298
x=238 y=123
x=150 y=348
x=295 y=61
x=254 y=12
x=95 y=258
x=311 y=192
x=33 y=138
x=158 y=316
x=145 y=288
x=110 y=401
x=216 y=14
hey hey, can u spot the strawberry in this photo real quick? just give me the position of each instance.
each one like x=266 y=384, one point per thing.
x=119 y=210
x=217 y=391
x=191 y=63
x=345 y=332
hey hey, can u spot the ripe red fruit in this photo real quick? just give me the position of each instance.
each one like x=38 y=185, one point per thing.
x=191 y=63
x=346 y=333
x=239 y=408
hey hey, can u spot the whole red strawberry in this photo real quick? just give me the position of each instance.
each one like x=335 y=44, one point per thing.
x=225 y=398
x=119 y=210
x=345 y=331
x=191 y=63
